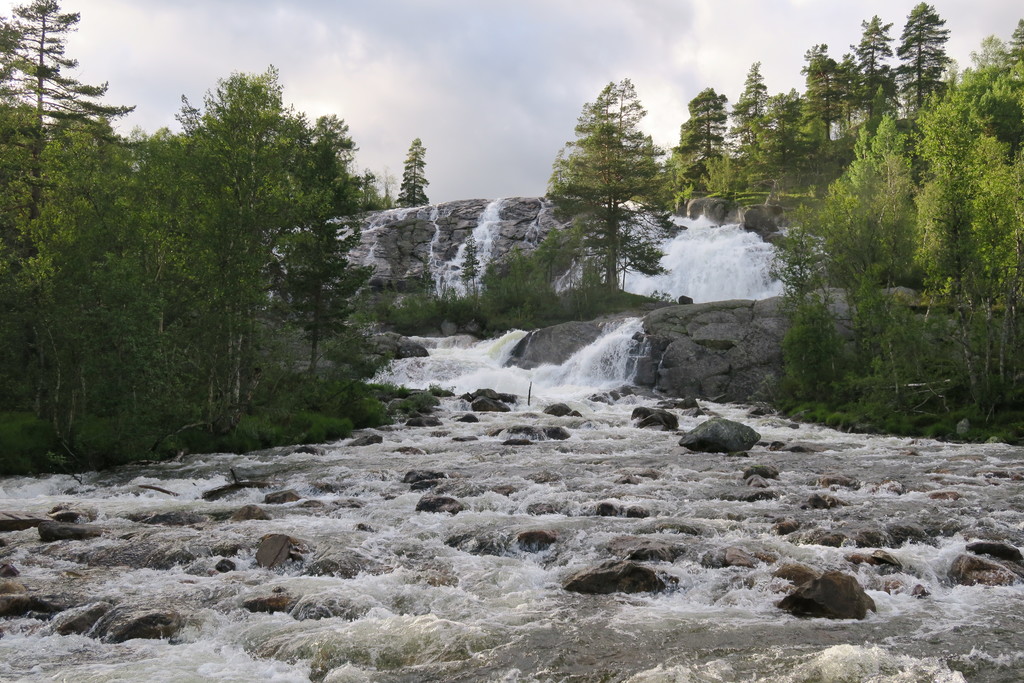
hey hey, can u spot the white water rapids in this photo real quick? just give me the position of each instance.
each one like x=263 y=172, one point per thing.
x=441 y=597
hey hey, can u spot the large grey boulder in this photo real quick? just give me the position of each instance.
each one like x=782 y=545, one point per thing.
x=719 y=435
x=553 y=345
x=717 y=210
x=762 y=219
x=725 y=350
x=833 y=595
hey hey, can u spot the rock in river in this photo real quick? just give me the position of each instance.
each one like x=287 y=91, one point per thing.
x=615 y=576
x=719 y=435
x=833 y=595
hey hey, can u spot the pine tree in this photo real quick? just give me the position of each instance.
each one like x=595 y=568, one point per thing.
x=750 y=107
x=414 y=181
x=824 y=92
x=40 y=81
x=874 y=48
x=922 y=52
x=609 y=181
x=1017 y=43
x=702 y=137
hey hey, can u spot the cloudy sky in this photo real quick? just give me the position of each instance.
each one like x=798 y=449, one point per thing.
x=492 y=87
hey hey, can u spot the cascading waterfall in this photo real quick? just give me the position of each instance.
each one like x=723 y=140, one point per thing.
x=448 y=275
x=711 y=263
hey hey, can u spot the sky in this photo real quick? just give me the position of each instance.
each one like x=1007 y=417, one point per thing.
x=493 y=88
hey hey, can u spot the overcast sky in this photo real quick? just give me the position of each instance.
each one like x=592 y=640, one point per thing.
x=493 y=88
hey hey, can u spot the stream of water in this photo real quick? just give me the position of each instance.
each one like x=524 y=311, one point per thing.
x=420 y=596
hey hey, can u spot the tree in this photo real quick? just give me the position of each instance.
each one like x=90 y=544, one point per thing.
x=470 y=274
x=608 y=180
x=875 y=75
x=40 y=81
x=751 y=106
x=824 y=93
x=1016 y=46
x=780 y=140
x=414 y=181
x=702 y=137
x=922 y=52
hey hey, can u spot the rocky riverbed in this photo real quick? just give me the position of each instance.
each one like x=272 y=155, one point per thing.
x=543 y=543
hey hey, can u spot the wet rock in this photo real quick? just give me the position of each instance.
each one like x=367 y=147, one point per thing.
x=504 y=489
x=831 y=539
x=423 y=421
x=558 y=410
x=127 y=622
x=366 y=440
x=945 y=495
x=468 y=418
x=655 y=418
x=50 y=531
x=225 y=566
x=553 y=345
x=889 y=486
x=729 y=557
x=785 y=527
x=413 y=476
x=479 y=542
x=16 y=521
x=327 y=607
x=719 y=435
x=616 y=576
x=1001 y=551
x=21 y=604
x=971 y=570
x=8 y=570
x=673 y=527
x=343 y=563
x=833 y=595
x=410 y=450
x=68 y=514
x=536 y=540
x=607 y=509
x=307 y=449
x=870 y=538
x=820 y=502
x=876 y=559
x=249 y=512
x=276 y=549
x=465 y=439
x=79 y=620
x=237 y=485
x=518 y=441
x=282 y=497
x=430 y=503
x=752 y=496
x=757 y=482
x=277 y=601
x=173 y=518
x=10 y=587
x=538 y=433
x=796 y=573
x=631 y=479
x=644 y=549
x=902 y=533
x=489 y=405
x=833 y=481
x=764 y=471
x=543 y=509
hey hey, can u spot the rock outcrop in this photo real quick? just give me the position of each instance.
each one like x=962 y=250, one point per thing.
x=762 y=219
x=726 y=350
x=406 y=246
x=553 y=345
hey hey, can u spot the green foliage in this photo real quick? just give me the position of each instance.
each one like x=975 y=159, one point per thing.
x=27 y=444
x=922 y=53
x=414 y=179
x=813 y=352
x=609 y=182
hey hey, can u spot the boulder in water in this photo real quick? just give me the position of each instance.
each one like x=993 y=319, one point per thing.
x=484 y=404
x=719 y=435
x=79 y=620
x=536 y=540
x=50 y=531
x=833 y=595
x=366 y=440
x=763 y=471
x=431 y=503
x=655 y=418
x=1002 y=551
x=558 y=410
x=796 y=573
x=615 y=576
x=423 y=421
x=282 y=497
x=971 y=570
x=553 y=345
x=644 y=549
x=249 y=512
x=276 y=549
x=128 y=622
x=278 y=600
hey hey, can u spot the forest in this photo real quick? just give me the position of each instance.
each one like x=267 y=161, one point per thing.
x=191 y=291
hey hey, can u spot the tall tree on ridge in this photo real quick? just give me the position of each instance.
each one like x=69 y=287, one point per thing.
x=874 y=48
x=823 y=98
x=609 y=181
x=922 y=52
x=40 y=80
x=1016 y=46
x=702 y=137
x=414 y=179
x=749 y=108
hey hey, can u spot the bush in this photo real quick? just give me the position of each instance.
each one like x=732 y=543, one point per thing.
x=28 y=445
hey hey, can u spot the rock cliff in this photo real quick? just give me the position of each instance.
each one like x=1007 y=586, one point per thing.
x=427 y=243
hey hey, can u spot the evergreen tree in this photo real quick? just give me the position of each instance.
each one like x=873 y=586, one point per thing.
x=922 y=52
x=41 y=81
x=608 y=180
x=824 y=91
x=702 y=137
x=749 y=108
x=414 y=180
x=1016 y=46
x=781 y=142
x=470 y=274
x=874 y=49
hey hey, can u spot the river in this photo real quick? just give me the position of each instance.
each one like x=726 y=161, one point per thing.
x=421 y=596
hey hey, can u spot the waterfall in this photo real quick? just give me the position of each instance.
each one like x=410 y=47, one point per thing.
x=709 y=263
x=448 y=275
x=610 y=361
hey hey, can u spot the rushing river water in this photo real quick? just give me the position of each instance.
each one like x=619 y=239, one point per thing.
x=420 y=596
